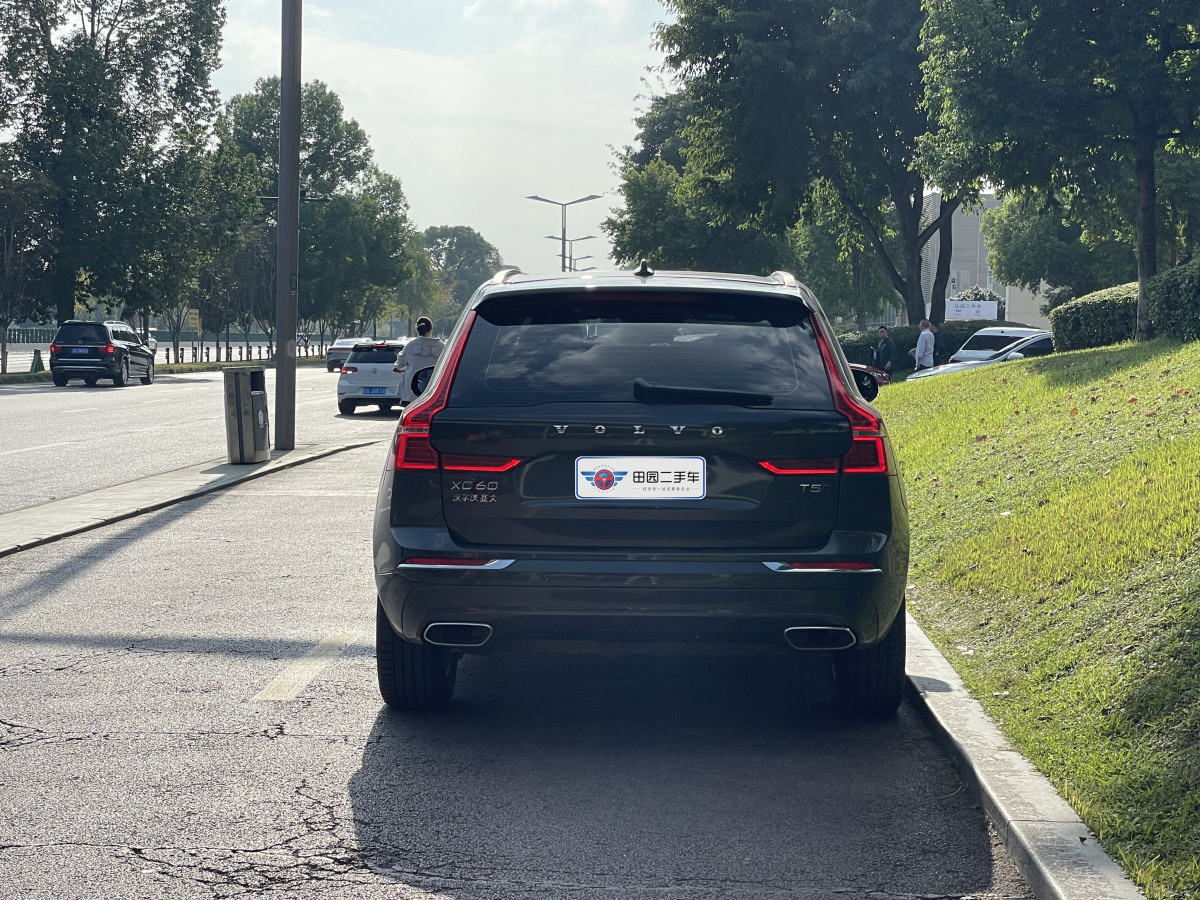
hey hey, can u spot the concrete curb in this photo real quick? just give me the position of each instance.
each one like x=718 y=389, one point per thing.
x=34 y=526
x=1059 y=857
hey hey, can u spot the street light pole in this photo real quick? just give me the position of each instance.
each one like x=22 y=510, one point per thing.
x=570 y=266
x=564 y=218
x=287 y=271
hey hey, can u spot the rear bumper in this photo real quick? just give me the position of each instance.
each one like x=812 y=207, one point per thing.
x=79 y=369
x=606 y=601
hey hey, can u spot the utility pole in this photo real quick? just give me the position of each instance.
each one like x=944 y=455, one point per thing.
x=287 y=270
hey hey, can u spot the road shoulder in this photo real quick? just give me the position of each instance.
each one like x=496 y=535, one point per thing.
x=1059 y=857
x=33 y=526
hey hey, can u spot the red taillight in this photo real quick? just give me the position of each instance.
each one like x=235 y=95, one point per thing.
x=346 y=370
x=413 y=449
x=868 y=451
x=829 y=466
x=110 y=349
x=462 y=462
x=54 y=348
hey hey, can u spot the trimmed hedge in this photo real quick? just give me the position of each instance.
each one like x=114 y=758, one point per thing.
x=1096 y=320
x=1174 y=298
x=859 y=346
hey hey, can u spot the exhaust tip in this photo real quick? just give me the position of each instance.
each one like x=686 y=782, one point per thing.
x=458 y=634
x=819 y=637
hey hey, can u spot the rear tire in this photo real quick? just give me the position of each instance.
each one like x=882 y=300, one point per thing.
x=411 y=676
x=122 y=377
x=89 y=380
x=148 y=378
x=60 y=380
x=870 y=681
x=346 y=409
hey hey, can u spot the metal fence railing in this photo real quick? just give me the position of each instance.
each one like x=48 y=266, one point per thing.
x=30 y=335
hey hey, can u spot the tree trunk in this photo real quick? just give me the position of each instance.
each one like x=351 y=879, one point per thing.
x=1145 y=142
x=941 y=278
x=64 y=291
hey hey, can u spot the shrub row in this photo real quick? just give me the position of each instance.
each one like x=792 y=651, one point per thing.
x=1174 y=297
x=1096 y=320
x=860 y=346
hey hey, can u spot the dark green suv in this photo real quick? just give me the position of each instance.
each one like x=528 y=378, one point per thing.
x=95 y=350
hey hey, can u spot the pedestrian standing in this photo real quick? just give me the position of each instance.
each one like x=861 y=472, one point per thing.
x=419 y=353
x=923 y=352
x=885 y=353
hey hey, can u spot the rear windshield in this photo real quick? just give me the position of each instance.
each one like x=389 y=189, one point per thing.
x=574 y=346
x=990 y=342
x=384 y=355
x=84 y=333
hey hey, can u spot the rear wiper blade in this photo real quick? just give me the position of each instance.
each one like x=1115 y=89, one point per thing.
x=647 y=392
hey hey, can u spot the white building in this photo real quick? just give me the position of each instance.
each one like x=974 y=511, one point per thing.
x=968 y=264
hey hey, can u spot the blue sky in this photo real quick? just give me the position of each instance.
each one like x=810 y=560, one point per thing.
x=475 y=104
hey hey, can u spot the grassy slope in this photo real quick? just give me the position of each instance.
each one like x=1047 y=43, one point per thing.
x=1055 y=506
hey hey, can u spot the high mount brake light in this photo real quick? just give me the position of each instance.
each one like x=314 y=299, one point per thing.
x=412 y=447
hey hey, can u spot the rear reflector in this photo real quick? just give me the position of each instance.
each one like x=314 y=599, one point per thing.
x=822 y=566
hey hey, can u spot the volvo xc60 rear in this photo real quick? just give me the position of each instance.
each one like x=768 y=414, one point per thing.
x=661 y=461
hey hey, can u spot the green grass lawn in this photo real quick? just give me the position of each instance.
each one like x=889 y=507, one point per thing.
x=1055 y=507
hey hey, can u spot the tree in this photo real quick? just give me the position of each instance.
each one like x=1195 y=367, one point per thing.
x=1030 y=241
x=668 y=225
x=795 y=96
x=90 y=89
x=462 y=258
x=1062 y=90
x=25 y=246
x=334 y=151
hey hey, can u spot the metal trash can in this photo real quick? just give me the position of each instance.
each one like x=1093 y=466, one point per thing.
x=247 y=424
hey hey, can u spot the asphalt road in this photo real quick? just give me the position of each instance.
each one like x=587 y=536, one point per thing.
x=167 y=731
x=57 y=442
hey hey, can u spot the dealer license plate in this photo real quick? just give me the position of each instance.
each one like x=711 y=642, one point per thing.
x=640 y=478
x=374 y=392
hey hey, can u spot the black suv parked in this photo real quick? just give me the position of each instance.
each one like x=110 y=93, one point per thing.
x=660 y=460
x=95 y=350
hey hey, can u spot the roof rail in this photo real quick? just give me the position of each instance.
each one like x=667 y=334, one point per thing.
x=785 y=278
x=504 y=275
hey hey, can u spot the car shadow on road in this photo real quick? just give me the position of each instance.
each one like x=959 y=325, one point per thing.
x=635 y=777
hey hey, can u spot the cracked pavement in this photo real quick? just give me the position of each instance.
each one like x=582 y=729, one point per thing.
x=135 y=761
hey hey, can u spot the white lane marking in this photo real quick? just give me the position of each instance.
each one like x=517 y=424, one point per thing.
x=296 y=677
x=39 y=447
x=148 y=402
x=81 y=409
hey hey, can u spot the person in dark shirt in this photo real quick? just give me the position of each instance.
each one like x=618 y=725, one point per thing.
x=885 y=353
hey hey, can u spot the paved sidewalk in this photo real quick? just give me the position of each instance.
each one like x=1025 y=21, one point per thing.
x=1051 y=847
x=46 y=522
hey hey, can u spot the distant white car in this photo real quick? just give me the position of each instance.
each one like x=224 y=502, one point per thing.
x=1038 y=344
x=369 y=377
x=989 y=341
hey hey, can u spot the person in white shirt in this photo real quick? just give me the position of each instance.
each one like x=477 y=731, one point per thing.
x=924 y=349
x=419 y=353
